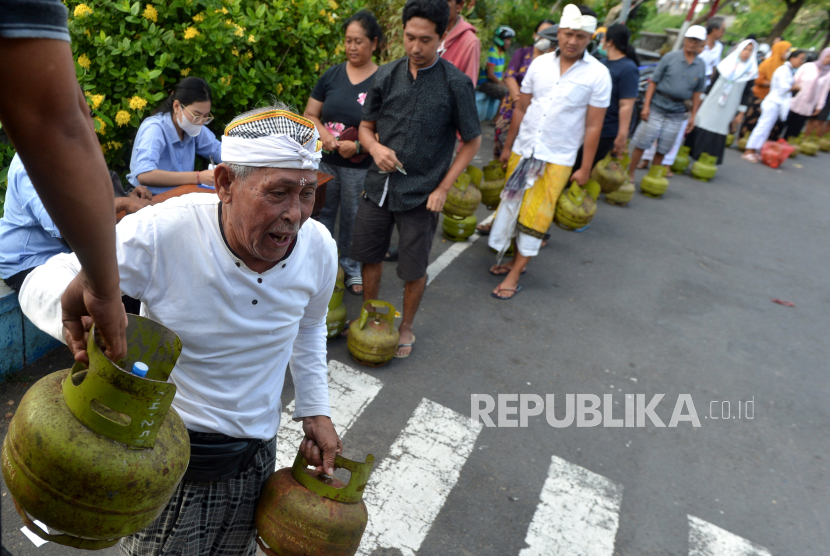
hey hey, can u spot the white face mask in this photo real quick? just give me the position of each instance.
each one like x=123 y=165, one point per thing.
x=187 y=126
x=543 y=45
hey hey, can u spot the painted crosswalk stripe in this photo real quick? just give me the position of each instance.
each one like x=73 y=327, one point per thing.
x=706 y=539
x=408 y=488
x=350 y=391
x=578 y=514
x=448 y=256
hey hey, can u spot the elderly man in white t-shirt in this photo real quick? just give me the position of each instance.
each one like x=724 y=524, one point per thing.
x=563 y=100
x=244 y=280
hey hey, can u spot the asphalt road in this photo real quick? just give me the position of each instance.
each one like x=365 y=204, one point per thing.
x=670 y=296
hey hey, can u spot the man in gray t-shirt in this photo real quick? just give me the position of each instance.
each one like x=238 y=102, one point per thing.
x=679 y=78
x=47 y=119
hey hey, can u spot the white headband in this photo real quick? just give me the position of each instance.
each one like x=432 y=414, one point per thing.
x=271 y=151
x=572 y=18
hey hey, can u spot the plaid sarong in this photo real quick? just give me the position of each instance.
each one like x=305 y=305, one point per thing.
x=208 y=519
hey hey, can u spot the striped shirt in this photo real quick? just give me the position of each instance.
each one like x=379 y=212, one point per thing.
x=495 y=58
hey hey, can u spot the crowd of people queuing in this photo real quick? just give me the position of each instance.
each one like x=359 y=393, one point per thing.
x=394 y=138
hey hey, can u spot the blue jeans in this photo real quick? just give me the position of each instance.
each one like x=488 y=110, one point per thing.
x=343 y=192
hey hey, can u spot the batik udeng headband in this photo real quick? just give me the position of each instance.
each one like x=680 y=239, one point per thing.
x=274 y=150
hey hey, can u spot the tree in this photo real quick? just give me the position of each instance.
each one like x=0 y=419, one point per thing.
x=792 y=9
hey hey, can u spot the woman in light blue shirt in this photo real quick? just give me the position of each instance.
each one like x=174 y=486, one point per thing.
x=168 y=141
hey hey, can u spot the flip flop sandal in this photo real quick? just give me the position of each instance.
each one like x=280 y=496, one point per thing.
x=484 y=232
x=405 y=346
x=517 y=290
x=352 y=281
x=524 y=270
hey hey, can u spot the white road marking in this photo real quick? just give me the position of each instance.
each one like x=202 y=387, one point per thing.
x=38 y=542
x=408 y=489
x=578 y=514
x=448 y=256
x=706 y=539
x=350 y=391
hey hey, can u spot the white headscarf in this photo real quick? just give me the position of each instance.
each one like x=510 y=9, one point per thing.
x=272 y=138
x=734 y=70
x=572 y=18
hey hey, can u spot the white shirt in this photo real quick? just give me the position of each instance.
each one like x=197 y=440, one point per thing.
x=553 y=128
x=238 y=335
x=781 y=84
x=711 y=57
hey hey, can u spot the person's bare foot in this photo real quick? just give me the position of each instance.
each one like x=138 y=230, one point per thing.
x=485 y=228
x=642 y=165
x=406 y=337
x=503 y=269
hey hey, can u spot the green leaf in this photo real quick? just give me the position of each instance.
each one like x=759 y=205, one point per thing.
x=135 y=8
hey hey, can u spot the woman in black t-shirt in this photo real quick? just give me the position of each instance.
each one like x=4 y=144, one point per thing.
x=336 y=106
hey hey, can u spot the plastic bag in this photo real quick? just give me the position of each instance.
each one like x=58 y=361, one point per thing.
x=775 y=153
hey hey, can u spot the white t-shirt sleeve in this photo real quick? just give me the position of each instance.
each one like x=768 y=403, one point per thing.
x=135 y=248
x=601 y=93
x=308 y=360
x=40 y=294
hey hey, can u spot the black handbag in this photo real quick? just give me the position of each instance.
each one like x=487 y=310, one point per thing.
x=217 y=458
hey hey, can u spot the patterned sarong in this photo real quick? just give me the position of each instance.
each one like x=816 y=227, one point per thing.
x=208 y=519
x=532 y=214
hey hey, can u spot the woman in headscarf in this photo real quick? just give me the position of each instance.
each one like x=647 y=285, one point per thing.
x=760 y=91
x=813 y=80
x=723 y=100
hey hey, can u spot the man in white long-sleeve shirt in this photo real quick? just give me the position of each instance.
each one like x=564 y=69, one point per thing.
x=776 y=105
x=245 y=281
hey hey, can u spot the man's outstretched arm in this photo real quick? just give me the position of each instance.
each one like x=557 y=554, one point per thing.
x=47 y=119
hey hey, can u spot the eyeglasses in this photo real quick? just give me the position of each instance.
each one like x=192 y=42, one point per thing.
x=199 y=120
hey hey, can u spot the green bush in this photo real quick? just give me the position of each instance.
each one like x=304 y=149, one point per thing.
x=660 y=22
x=129 y=56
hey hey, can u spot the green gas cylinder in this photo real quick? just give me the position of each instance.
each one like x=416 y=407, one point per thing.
x=96 y=453
x=655 y=183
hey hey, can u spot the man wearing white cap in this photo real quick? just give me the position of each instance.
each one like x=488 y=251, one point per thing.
x=563 y=100
x=673 y=96
x=244 y=280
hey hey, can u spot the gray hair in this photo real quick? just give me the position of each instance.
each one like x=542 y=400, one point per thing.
x=240 y=172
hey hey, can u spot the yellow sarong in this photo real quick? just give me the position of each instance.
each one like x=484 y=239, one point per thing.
x=539 y=202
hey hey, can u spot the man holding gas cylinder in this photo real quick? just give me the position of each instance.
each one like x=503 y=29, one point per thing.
x=244 y=280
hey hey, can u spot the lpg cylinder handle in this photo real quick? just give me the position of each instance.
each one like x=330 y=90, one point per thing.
x=372 y=303
x=352 y=493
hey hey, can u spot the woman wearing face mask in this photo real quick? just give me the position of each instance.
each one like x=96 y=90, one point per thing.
x=167 y=143
x=722 y=103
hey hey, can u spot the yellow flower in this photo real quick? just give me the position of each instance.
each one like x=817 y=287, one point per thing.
x=279 y=88
x=249 y=55
x=224 y=10
x=84 y=61
x=122 y=118
x=102 y=128
x=251 y=38
x=331 y=19
x=332 y=4
x=137 y=103
x=235 y=51
x=323 y=13
x=338 y=50
x=225 y=80
x=104 y=148
x=87 y=33
x=191 y=32
x=240 y=31
x=114 y=145
x=228 y=22
x=151 y=13
x=185 y=72
x=82 y=10
x=316 y=67
x=96 y=100
x=198 y=18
